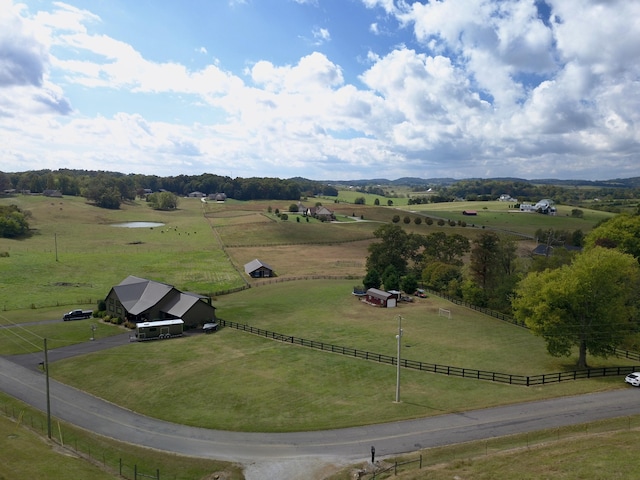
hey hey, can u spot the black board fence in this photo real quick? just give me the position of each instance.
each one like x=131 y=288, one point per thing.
x=523 y=380
x=509 y=319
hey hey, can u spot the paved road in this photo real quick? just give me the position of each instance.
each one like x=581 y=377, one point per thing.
x=294 y=455
x=352 y=444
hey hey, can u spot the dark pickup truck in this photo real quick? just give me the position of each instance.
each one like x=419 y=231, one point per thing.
x=77 y=315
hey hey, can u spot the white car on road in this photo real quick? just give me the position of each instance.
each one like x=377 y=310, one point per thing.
x=633 y=379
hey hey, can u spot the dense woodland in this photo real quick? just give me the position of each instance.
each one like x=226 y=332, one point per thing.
x=108 y=189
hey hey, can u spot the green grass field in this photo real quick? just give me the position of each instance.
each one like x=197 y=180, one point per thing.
x=75 y=256
x=264 y=385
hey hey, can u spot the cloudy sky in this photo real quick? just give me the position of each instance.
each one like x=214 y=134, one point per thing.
x=323 y=89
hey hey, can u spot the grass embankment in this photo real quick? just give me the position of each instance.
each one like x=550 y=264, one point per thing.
x=263 y=385
x=603 y=449
x=74 y=453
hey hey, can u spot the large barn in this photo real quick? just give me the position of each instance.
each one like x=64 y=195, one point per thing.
x=137 y=300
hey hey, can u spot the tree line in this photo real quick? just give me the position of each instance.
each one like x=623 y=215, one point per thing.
x=587 y=299
x=109 y=189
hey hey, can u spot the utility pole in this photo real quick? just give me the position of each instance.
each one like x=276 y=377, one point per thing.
x=46 y=370
x=399 y=337
x=55 y=240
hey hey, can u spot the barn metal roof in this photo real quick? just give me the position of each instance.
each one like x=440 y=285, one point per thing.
x=180 y=304
x=375 y=292
x=254 y=265
x=138 y=295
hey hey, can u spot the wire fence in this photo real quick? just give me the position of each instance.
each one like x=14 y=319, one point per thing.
x=107 y=458
x=437 y=456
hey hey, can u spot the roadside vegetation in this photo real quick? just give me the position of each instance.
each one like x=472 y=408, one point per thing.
x=73 y=453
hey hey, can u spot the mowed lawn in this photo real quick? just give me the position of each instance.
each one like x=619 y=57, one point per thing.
x=29 y=338
x=237 y=381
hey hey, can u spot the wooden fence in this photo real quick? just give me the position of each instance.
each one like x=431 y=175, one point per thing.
x=509 y=319
x=524 y=380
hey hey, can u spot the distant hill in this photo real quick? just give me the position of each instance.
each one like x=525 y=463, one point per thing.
x=633 y=182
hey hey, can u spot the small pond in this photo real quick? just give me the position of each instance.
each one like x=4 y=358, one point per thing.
x=138 y=224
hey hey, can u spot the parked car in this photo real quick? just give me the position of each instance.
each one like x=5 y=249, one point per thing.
x=420 y=293
x=210 y=327
x=633 y=379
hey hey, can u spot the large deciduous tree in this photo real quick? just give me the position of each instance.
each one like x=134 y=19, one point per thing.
x=621 y=232
x=163 y=201
x=13 y=222
x=391 y=250
x=590 y=304
x=450 y=249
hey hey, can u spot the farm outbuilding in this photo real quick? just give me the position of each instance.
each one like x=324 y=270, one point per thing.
x=140 y=300
x=258 y=269
x=380 y=298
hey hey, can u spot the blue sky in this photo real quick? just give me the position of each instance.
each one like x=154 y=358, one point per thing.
x=323 y=89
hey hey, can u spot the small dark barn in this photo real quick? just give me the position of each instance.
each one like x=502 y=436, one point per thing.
x=257 y=269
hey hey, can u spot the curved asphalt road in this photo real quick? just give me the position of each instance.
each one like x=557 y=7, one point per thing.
x=349 y=444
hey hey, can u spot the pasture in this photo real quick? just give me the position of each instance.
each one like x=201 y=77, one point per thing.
x=498 y=215
x=238 y=381
x=75 y=255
